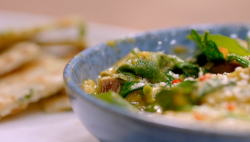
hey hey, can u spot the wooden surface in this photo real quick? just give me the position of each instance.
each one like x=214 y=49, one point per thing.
x=140 y=14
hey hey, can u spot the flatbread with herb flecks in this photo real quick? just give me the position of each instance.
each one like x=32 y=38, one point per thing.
x=30 y=83
x=17 y=56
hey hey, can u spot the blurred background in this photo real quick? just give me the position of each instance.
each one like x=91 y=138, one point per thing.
x=139 y=14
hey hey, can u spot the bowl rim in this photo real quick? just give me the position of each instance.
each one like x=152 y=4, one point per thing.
x=67 y=74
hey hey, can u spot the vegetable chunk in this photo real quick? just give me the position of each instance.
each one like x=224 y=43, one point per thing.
x=109 y=84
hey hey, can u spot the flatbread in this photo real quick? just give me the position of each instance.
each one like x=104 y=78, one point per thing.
x=56 y=103
x=30 y=83
x=15 y=35
x=17 y=56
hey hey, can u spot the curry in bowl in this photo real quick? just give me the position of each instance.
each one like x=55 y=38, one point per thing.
x=211 y=85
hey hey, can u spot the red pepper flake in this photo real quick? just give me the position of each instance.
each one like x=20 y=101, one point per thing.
x=176 y=81
x=199 y=116
x=230 y=106
x=206 y=76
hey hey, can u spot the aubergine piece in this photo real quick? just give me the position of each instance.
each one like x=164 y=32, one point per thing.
x=233 y=62
x=109 y=84
x=223 y=67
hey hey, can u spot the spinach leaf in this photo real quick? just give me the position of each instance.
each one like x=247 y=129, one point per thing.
x=127 y=76
x=244 y=62
x=130 y=86
x=147 y=67
x=180 y=66
x=188 y=93
x=144 y=68
x=152 y=65
x=177 y=97
x=116 y=99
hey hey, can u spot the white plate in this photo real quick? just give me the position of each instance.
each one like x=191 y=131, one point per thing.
x=33 y=125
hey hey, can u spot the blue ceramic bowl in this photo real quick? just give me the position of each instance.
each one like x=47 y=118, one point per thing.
x=114 y=124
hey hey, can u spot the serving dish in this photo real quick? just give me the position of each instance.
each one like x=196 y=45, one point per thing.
x=110 y=123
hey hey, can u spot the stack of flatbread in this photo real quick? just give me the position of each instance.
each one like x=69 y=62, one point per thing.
x=31 y=68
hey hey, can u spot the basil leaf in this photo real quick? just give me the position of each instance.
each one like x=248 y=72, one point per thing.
x=212 y=51
x=209 y=47
x=231 y=44
x=197 y=38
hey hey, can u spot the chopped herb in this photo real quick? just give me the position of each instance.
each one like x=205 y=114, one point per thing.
x=28 y=96
x=231 y=44
x=209 y=47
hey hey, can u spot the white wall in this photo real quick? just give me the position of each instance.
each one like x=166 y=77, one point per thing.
x=140 y=14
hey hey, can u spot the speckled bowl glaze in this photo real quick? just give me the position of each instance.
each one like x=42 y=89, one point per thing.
x=114 y=124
